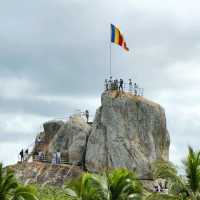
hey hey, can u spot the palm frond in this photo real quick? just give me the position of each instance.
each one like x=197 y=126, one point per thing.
x=123 y=183
x=192 y=167
x=88 y=187
x=166 y=170
x=25 y=193
x=160 y=196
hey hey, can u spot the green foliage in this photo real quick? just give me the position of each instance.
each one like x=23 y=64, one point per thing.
x=119 y=184
x=123 y=184
x=192 y=165
x=50 y=193
x=160 y=196
x=187 y=188
x=88 y=186
x=10 y=189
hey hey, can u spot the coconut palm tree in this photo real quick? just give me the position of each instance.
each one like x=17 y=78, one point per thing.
x=88 y=187
x=124 y=185
x=180 y=187
x=119 y=184
x=11 y=190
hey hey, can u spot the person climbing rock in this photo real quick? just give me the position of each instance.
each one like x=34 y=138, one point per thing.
x=87 y=115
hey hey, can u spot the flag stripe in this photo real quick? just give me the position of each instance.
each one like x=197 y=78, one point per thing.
x=112 y=33
x=120 y=40
x=116 y=36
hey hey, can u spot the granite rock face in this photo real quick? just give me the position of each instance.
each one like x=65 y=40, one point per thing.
x=71 y=140
x=44 y=173
x=128 y=131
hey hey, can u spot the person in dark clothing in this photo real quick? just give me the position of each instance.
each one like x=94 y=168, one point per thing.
x=26 y=152
x=110 y=83
x=135 y=89
x=35 y=155
x=117 y=84
x=121 y=83
x=22 y=155
x=106 y=84
x=26 y=155
x=87 y=115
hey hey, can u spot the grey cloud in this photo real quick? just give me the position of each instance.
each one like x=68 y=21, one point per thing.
x=62 y=47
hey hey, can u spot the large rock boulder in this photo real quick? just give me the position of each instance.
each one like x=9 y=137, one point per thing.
x=71 y=140
x=128 y=131
x=50 y=130
x=51 y=127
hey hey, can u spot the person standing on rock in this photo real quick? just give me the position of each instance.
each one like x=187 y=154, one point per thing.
x=130 y=84
x=135 y=89
x=142 y=92
x=58 y=157
x=38 y=140
x=106 y=84
x=110 y=83
x=121 y=83
x=117 y=84
x=87 y=115
x=22 y=155
x=26 y=155
x=54 y=159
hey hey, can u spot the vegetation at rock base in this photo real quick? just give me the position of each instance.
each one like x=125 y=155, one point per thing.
x=180 y=188
x=10 y=189
x=50 y=193
x=118 y=184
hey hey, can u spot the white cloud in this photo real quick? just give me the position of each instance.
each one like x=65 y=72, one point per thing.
x=21 y=123
x=13 y=87
x=185 y=74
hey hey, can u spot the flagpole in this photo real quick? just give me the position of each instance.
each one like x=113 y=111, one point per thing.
x=110 y=61
x=110 y=51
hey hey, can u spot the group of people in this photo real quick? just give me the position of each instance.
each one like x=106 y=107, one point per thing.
x=121 y=86
x=23 y=155
x=42 y=157
x=161 y=187
x=56 y=158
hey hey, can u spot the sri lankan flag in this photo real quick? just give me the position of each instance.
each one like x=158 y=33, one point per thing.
x=117 y=38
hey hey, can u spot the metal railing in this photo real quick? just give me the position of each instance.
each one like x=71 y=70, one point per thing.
x=47 y=159
x=134 y=89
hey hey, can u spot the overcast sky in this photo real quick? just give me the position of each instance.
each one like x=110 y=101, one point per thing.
x=54 y=56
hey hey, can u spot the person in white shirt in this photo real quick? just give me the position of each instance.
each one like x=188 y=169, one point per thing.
x=130 y=84
x=58 y=157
